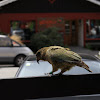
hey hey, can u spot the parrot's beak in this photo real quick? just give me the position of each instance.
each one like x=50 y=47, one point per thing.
x=37 y=61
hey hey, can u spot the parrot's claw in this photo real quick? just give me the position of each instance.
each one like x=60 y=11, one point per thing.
x=48 y=74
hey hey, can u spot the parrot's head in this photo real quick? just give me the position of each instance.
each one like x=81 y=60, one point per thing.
x=41 y=54
x=38 y=56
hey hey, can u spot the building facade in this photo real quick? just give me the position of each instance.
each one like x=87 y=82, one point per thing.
x=78 y=20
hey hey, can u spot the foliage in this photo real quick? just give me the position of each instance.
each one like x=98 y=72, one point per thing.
x=2 y=33
x=48 y=37
x=88 y=46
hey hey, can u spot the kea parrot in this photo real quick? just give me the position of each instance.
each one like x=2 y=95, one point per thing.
x=60 y=58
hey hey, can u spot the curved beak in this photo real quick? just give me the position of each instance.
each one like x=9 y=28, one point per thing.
x=38 y=61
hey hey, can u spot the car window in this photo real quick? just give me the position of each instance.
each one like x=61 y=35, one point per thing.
x=18 y=32
x=5 y=42
x=15 y=44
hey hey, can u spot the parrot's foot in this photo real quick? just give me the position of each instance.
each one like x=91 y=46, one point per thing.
x=49 y=74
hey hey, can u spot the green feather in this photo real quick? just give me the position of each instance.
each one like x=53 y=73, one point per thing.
x=63 y=55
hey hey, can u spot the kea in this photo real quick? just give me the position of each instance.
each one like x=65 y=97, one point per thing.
x=60 y=58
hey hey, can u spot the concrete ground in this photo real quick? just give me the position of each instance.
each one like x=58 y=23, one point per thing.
x=78 y=49
x=7 y=71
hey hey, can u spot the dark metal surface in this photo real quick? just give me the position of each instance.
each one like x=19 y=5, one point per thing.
x=50 y=87
x=44 y=6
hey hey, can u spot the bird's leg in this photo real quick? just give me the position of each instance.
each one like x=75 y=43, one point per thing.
x=62 y=71
x=51 y=73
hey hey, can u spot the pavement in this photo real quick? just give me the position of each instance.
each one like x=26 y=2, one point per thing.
x=7 y=71
x=79 y=49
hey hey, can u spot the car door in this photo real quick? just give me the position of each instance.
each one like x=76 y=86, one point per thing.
x=71 y=30
x=6 y=53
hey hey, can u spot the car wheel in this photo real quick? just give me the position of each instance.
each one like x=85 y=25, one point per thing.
x=19 y=60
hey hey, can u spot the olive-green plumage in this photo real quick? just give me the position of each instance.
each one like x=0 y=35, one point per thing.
x=61 y=58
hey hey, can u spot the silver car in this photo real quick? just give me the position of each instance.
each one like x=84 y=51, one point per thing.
x=30 y=67
x=12 y=52
x=75 y=84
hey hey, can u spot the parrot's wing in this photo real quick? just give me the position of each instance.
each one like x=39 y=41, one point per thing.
x=62 y=55
x=74 y=55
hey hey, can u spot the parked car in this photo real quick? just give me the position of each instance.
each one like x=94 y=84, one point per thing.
x=30 y=67
x=12 y=51
x=31 y=83
x=76 y=84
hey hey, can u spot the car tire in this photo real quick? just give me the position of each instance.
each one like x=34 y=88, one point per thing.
x=19 y=60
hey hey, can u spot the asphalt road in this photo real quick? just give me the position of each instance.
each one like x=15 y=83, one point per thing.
x=7 y=71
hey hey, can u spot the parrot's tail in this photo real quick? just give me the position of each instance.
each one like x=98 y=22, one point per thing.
x=85 y=66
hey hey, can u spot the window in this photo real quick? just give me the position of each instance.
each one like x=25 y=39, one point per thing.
x=15 y=25
x=29 y=29
x=23 y=28
x=5 y=42
x=93 y=29
x=44 y=23
x=67 y=27
x=73 y=26
x=16 y=29
x=15 y=44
